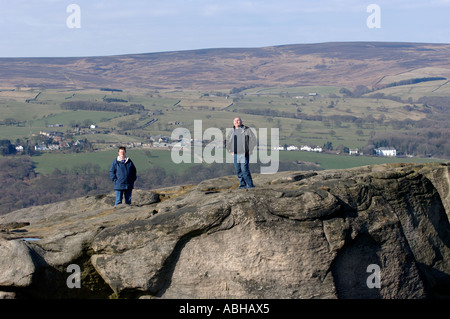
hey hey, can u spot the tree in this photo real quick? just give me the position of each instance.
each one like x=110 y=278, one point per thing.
x=342 y=149
x=369 y=149
x=328 y=146
x=6 y=148
x=360 y=90
x=87 y=123
x=346 y=92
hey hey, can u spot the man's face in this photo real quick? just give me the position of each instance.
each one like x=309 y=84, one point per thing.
x=237 y=122
x=122 y=153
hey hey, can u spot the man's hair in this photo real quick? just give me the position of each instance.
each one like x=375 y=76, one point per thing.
x=122 y=148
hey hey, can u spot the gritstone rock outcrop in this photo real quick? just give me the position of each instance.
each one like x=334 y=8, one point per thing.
x=297 y=235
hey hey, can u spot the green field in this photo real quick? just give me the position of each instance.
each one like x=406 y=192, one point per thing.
x=258 y=107
x=47 y=162
x=330 y=161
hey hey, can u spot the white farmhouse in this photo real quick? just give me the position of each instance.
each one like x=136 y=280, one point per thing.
x=311 y=149
x=386 y=151
x=305 y=148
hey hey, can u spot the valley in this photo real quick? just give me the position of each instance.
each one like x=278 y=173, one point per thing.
x=67 y=116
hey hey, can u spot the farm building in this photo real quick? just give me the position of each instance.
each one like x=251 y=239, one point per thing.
x=386 y=151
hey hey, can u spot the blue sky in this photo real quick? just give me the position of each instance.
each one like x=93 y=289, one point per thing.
x=38 y=28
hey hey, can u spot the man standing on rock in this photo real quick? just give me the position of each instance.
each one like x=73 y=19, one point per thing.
x=123 y=173
x=240 y=142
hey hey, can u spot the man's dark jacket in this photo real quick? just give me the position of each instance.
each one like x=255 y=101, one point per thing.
x=247 y=137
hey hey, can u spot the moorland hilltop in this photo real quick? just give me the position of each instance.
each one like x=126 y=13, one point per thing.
x=346 y=64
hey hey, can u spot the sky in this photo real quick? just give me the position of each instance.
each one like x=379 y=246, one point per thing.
x=75 y=28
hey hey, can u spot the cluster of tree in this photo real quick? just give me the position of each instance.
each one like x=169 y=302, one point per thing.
x=111 y=90
x=9 y=148
x=6 y=148
x=214 y=93
x=22 y=187
x=14 y=174
x=11 y=121
x=413 y=81
x=357 y=92
x=240 y=89
x=127 y=125
x=440 y=103
x=110 y=100
x=268 y=112
x=387 y=97
x=101 y=106
x=423 y=142
x=360 y=90
x=33 y=99
x=426 y=137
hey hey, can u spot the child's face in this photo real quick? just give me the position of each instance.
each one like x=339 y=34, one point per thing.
x=122 y=153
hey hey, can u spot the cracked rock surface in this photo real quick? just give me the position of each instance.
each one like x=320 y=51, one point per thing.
x=296 y=235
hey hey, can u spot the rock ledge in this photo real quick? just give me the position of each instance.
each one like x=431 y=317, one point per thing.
x=297 y=235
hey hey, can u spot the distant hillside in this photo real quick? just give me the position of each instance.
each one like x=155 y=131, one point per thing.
x=344 y=64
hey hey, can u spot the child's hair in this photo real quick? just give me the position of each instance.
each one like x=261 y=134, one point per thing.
x=123 y=148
